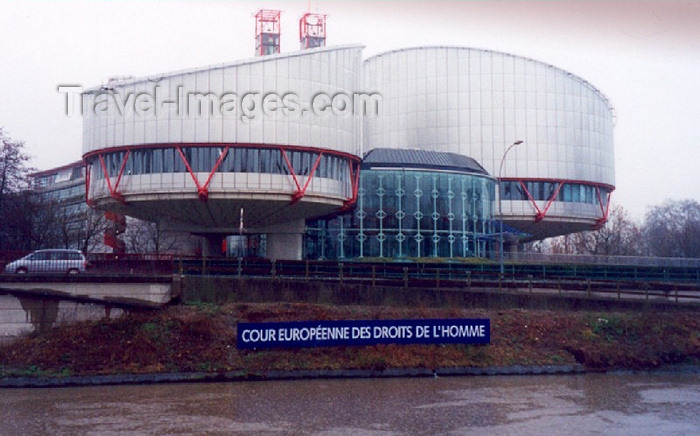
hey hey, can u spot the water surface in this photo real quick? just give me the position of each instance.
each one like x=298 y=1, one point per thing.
x=621 y=404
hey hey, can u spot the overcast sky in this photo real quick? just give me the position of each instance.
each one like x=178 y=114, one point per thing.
x=644 y=56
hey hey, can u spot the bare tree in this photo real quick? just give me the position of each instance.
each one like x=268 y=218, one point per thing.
x=95 y=225
x=16 y=205
x=17 y=232
x=149 y=237
x=562 y=245
x=83 y=230
x=672 y=229
x=14 y=166
x=619 y=237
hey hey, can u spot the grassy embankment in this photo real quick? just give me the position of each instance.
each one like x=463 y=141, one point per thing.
x=201 y=338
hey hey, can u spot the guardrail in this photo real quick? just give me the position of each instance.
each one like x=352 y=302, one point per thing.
x=544 y=267
x=586 y=259
x=637 y=284
x=447 y=270
x=676 y=283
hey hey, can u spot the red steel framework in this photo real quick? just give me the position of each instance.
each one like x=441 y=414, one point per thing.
x=203 y=188
x=312 y=30
x=541 y=213
x=267 y=22
x=116 y=225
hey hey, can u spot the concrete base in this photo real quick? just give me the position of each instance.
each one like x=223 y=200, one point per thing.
x=128 y=294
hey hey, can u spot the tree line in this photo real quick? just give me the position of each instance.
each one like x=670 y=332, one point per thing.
x=670 y=229
x=29 y=221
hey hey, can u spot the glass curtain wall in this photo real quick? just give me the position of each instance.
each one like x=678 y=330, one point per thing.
x=237 y=160
x=409 y=214
x=544 y=190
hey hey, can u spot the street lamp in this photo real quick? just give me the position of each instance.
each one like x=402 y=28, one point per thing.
x=500 y=209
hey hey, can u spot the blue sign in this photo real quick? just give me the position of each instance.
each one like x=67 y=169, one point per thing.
x=363 y=332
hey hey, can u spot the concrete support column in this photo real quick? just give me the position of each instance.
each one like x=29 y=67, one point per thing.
x=284 y=241
x=510 y=249
x=284 y=246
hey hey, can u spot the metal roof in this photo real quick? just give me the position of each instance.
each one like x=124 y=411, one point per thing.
x=421 y=159
x=130 y=80
x=481 y=50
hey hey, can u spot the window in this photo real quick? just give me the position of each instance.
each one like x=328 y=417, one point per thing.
x=237 y=160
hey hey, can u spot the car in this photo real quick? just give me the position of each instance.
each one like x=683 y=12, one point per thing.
x=55 y=260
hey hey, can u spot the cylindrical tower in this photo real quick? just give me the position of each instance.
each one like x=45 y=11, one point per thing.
x=477 y=103
x=199 y=148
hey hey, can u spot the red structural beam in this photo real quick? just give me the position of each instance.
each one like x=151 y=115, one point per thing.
x=291 y=169
x=267 y=21
x=114 y=190
x=354 y=168
x=299 y=194
x=540 y=214
x=605 y=210
x=87 y=185
x=203 y=188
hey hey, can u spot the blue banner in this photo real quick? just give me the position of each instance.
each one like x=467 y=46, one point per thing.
x=363 y=332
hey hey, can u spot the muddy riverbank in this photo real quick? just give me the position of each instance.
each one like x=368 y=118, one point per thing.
x=198 y=341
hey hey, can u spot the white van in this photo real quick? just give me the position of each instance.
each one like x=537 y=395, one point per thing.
x=64 y=261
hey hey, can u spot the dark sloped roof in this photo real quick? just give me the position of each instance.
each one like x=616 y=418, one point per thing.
x=420 y=159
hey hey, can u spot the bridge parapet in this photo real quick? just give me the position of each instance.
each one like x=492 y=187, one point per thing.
x=36 y=303
x=144 y=291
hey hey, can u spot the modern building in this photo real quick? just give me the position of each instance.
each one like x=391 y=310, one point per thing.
x=479 y=102
x=411 y=204
x=272 y=148
x=64 y=189
x=234 y=148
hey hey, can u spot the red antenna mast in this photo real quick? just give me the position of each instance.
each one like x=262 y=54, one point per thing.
x=312 y=30
x=267 y=32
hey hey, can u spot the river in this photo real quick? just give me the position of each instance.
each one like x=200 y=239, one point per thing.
x=590 y=404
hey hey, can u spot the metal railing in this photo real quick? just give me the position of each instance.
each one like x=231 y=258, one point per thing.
x=486 y=270
x=590 y=259
x=631 y=284
x=528 y=265
x=679 y=284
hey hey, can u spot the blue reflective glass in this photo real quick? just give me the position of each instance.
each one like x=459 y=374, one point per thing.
x=409 y=214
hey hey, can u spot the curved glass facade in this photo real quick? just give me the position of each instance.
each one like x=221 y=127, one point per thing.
x=545 y=190
x=409 y=214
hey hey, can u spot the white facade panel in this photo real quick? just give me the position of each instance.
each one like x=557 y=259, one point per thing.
x=498 y=99
x=225 y=104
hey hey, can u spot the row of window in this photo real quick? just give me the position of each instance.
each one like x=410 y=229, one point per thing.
x=61 y=176
x=322 y=242
x=72 y=193
x=545 y=191
x=236 y=160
